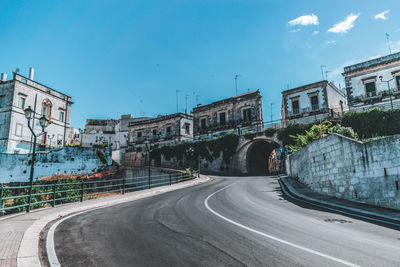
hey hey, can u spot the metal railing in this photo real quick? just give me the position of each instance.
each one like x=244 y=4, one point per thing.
x=44 y=194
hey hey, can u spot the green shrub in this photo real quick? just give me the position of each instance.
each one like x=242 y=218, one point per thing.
x=373 y=122
x=102 y=156
x=345 y=131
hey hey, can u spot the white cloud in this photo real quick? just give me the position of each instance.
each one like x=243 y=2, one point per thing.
x=330 y=42
x=315 y=32
x=382 y=15
x=296 y=30
x=346 y=25
x=305 y=20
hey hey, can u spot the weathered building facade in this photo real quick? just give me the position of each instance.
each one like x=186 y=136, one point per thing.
x=374 y=83
x=20 y=93
x=168 y=129
x=241 y=113
x=312 y=102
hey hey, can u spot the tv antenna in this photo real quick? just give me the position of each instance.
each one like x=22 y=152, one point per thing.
x=388 y=41
x=236 y=83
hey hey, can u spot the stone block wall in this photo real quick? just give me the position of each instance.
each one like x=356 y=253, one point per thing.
x=345 y=168
x=70 y=160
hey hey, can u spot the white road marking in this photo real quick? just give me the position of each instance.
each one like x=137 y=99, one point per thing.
x=270 y=236
x=51 y=251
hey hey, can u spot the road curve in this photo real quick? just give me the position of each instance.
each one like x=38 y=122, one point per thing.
x=231 y=221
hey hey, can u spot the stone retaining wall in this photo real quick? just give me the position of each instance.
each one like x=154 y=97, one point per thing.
x=70 y=160
x=345 y=168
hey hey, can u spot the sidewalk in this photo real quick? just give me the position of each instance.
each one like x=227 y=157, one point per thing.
x=297 y=190
x=19 y=234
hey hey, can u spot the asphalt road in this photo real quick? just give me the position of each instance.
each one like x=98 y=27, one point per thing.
x=231 y=221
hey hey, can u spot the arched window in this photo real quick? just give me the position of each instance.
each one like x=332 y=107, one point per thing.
x=46 y=109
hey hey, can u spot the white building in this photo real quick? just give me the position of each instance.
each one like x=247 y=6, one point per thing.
x=312 y=102
x=20 y=93
x=366 y=84
x=111 y=132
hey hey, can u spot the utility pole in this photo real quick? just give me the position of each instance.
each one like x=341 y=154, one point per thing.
x=387 y=38
x=322 y=71
x=177 y=107
x=186 y=99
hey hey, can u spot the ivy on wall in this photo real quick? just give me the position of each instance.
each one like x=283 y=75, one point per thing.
x=207 y=149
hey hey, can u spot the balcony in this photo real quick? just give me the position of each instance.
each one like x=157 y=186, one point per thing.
x=314 y=109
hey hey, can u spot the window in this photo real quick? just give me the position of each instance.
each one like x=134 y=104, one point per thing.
x=247 y=114
x=61 y=115
x=203 y=123
x=222 y=118
x=370 y=89
x=187 y=128
x=139 y=134
x=2 y=100
x=314 y=102
x=169 y=130
x=154 y=131
x=398 y=82
x=22 y=102
x=46 y=109
x=295 y=106
x=18 y=129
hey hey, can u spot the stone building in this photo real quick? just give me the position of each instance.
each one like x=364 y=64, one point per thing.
x=20 y=93
x=160 y=131
x=241 y=113
x=366 y=84
x=312 y=102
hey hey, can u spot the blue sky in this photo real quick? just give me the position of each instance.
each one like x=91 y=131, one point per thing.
x=120 y=57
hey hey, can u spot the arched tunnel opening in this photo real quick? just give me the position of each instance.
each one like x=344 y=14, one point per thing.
x=261 y=158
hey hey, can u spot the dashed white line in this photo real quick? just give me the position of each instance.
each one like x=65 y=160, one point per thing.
x=270 y=236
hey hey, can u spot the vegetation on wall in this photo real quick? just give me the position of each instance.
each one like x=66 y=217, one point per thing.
x=207 y=149
x=270 y=132
x=374 y=122
x=102 y=156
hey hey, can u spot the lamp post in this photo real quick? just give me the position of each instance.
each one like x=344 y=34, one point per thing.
x=29 y=114
x=390 y=92
x=147 y=143
x=50 y=138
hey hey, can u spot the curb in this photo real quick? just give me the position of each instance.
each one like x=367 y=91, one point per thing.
x=289 y=191
x=28 y=252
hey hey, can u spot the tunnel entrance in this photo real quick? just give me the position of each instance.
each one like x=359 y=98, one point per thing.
x=261 y=158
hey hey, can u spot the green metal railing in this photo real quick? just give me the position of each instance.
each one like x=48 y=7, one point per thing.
x=15 y=198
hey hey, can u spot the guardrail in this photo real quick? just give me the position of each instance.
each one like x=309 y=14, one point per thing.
x=44 y=193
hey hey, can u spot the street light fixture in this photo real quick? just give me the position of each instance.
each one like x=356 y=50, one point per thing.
x=390 y=91
x=147 y=144
x=29 y=114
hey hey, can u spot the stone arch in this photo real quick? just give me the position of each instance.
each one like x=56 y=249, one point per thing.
x=256 y=156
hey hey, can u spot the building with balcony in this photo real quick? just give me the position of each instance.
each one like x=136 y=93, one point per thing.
x=163 y=130
x=312 y=102
x=18 y=94
x=374 y=83
x=241 y=113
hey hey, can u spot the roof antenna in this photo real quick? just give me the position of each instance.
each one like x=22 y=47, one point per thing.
x=387 y=38
x=236 y=77
x=322 y=71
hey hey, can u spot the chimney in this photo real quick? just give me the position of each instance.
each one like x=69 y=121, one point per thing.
x=31 y=72
x=4 y=77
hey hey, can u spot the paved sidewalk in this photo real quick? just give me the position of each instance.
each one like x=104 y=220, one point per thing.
x=19 y=234
x=299 y=190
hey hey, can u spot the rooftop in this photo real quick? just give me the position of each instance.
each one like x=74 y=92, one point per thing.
x=372 y=62
x=160 y=118
x=305 y=87
x=228 y=100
